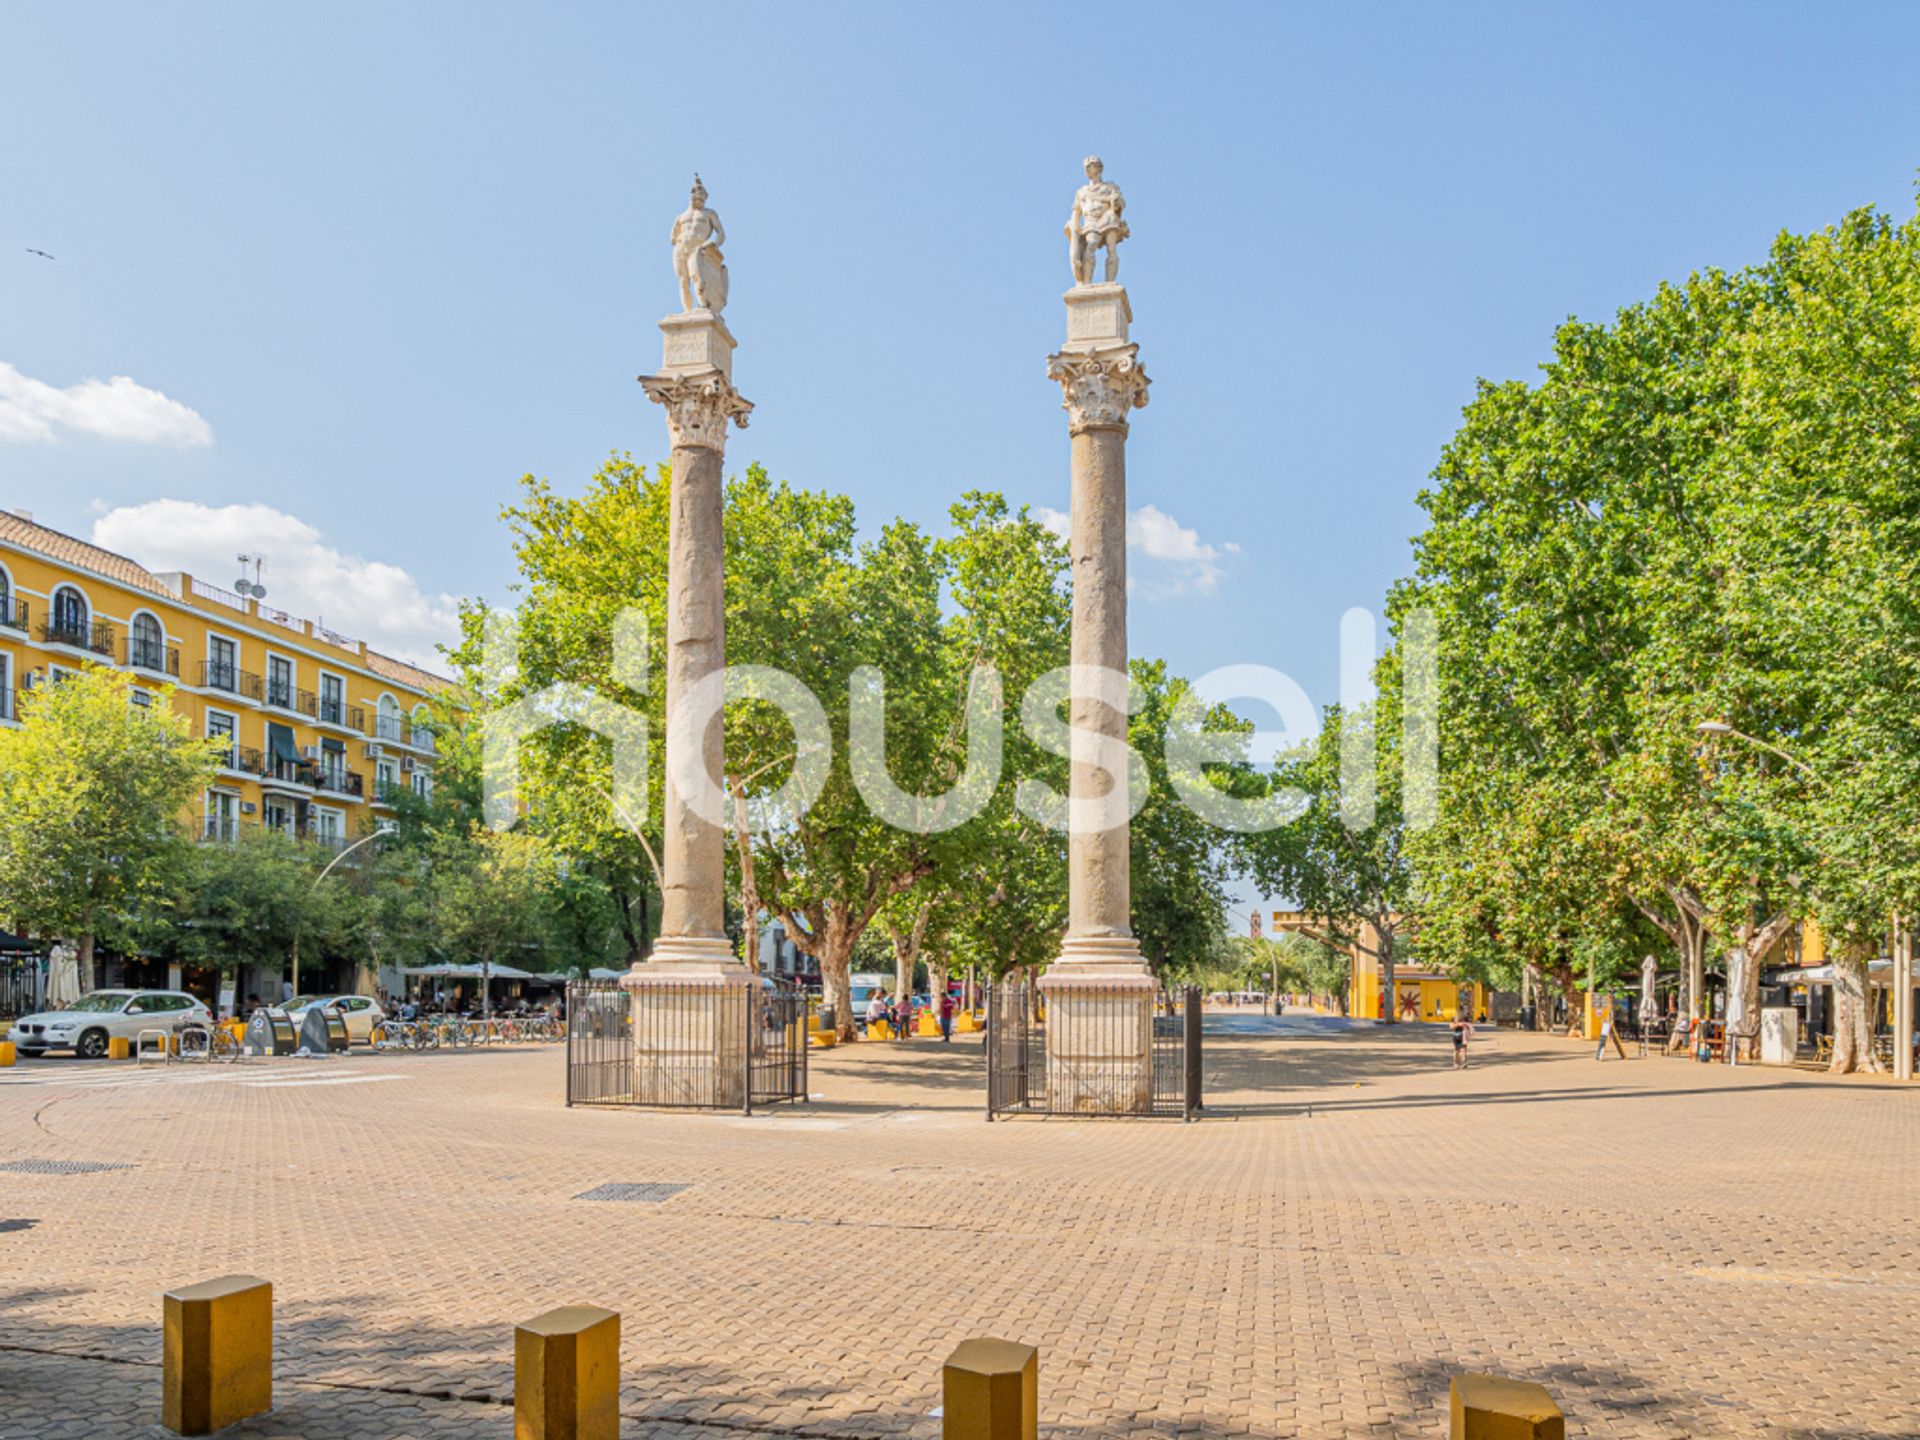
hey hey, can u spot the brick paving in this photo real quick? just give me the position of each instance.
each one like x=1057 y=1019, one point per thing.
x=1674 y=1250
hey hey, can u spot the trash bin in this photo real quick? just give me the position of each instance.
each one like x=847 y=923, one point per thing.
x=323 y=1031
x=827 y=1017
x=269 y=1032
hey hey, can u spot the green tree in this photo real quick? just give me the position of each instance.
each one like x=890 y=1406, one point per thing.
x=92 y=788
x=1348 y=870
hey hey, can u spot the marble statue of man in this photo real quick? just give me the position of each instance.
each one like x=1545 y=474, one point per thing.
x=1095 y=224
x=697 y=238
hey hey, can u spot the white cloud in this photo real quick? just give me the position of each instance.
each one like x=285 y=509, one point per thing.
x=369 y=599
x=32 y=411
x=1164 y=557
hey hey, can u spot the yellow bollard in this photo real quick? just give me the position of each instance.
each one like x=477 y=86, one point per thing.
x=119 y=1048
x=1486 y=1407
x=217 y=1354
x=566 y=1375
x=991 y=1391
x=6 y=1053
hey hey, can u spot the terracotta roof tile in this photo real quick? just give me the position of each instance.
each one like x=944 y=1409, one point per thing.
x=78 y=553
x=401 y=673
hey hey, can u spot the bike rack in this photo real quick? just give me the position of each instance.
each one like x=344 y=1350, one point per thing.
x=140 y=1051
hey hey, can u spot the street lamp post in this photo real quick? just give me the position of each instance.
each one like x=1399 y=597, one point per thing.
x=379 y=832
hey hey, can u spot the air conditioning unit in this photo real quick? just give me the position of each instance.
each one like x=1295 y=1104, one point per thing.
x=406 y=765
x=312 y=752
x=247 y=807
x=32 y=680
x=375 y=752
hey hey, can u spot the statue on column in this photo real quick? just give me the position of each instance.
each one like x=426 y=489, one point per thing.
x=697 y=238
x=1096 y=224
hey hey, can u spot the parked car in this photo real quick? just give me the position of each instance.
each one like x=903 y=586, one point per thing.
x=86 y=1026
x=361 y=1012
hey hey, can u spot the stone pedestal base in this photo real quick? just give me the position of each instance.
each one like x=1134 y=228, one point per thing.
x=1099 y=998
x=690 y=1012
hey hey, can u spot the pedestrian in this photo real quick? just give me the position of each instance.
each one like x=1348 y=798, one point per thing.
x=903 y=1019
x=946 y=1017
x=1462 y=1032
x=876 y=1010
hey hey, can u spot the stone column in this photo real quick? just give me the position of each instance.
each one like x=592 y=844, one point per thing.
x=690 y=998
x=1100 y=991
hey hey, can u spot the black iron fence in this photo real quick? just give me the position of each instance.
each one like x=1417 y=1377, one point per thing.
x=686 y=1044
x=1107 y=1051
x=21 y=985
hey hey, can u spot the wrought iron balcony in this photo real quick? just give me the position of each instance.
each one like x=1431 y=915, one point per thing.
x=246 y=759
x=94 y=635
x=392 y=728
x=339 y=713
x=152 y=655
x=14 y=615
x=341 y=781
x=215 y=675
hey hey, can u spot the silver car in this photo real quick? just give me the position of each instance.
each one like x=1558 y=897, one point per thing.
x=361 y=1012
x=85 y=1026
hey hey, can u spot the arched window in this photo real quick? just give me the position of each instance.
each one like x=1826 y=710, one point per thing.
x=388 y=725
x=422 y=736
x=148 y=646
x=68 y=622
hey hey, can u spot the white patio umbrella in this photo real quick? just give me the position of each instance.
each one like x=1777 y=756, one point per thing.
x=63 y=977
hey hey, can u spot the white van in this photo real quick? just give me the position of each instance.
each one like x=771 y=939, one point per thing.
x=864 y=983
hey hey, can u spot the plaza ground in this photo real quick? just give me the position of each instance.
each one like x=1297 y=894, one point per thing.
x=1672 y=1249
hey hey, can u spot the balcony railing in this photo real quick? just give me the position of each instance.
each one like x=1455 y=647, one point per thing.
x=246 y=759
x=94 y=635
x=217 y=675
x=391 y=727
x=152 y=655
x=220 y=829
x=386 y=791
x=10 y=703
x=283 y=695
x=14 y=614
x=341 y=781
x=289 y=772
x=343 y=715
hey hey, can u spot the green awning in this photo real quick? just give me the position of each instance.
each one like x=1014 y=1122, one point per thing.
x=280 y=743
x=333 y=747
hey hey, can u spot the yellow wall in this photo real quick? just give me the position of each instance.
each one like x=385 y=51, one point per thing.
x=34 y=563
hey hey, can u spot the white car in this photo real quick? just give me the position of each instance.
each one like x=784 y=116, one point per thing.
x=85 y=1026
x=361 y=1012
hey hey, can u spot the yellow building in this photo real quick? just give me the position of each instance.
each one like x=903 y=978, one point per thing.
x=1419 y=993
x=320 y=731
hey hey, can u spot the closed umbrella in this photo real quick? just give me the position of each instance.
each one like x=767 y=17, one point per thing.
x=63 y=977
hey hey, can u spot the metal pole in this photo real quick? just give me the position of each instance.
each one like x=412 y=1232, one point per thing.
x=988 y=1038
x=746 y=1051
x=1194 y=1102
x=1902 y=1000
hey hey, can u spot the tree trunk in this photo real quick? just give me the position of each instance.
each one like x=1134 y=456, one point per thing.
x=1852 y=1011
x=84 y=962
x=1570 y=994
x=1389 y=991
x=1533 y=991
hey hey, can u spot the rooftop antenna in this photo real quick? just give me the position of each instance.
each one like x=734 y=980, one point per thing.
x=251 y=587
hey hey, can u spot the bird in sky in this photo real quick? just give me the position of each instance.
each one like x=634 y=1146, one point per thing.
x=41 y=253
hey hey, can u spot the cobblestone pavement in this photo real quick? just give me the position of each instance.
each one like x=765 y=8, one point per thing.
x=1674 y=1250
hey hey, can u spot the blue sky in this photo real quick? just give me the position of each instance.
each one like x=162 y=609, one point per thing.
x=394 y=256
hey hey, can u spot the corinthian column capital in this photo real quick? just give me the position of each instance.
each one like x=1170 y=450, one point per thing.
x=1099 y=387
x=698 y=408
